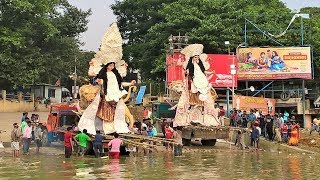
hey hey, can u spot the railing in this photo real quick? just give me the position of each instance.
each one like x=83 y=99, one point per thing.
x=16 y=97
x=12 y=97
x=27 y=98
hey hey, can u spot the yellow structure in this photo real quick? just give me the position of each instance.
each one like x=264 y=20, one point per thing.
x=18 y=104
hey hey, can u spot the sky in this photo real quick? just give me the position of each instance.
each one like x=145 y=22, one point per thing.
x=102 y=17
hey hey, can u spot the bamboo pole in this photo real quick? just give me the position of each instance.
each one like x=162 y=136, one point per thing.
x=143 y=145
x=142 y=137
x=149 y=138
x=161 y=140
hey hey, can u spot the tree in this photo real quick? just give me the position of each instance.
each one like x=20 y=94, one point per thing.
x=313 y=34
x=147 y=26
x=135 y=18
x=38 y=40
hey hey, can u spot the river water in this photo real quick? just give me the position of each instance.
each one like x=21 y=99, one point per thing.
x=209 y=165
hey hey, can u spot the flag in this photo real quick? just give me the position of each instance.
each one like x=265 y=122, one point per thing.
x=58 y=83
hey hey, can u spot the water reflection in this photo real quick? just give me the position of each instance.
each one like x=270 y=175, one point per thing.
x=294 y=164
x=213 y=165
x=114 y=167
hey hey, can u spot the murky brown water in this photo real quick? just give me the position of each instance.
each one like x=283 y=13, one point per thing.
x=220 y=165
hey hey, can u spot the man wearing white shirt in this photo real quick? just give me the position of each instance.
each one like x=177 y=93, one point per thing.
x=257 y=113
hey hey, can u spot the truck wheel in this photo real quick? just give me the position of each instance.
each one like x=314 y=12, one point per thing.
x=61 y=136
x=89 y=149
x=208 y=142
x=186 y=142
x=45 y=141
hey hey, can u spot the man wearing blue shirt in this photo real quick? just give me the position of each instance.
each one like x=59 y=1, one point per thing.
x=252 y=117
x=285 y=116
x=24 y=115
x=97 y=144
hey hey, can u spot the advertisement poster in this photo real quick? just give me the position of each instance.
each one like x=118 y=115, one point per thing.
x=265 y=105
x=274 y=63
x=219 y=64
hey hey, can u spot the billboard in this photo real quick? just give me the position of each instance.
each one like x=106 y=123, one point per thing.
x=265 y=105
x=274 y=63
x=219 y=64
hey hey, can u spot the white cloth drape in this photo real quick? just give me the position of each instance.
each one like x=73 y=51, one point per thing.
x=113 y=91
x=88 y=118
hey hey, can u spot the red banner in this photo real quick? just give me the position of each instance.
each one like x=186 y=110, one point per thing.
x=174 y=71
x=219 y=64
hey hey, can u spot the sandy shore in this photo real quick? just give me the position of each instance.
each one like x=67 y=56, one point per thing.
x=7 y=119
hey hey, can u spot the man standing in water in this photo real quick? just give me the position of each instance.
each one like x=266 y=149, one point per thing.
x=97 y=144
x=83 y=138
x=222 y=113
x=27 y=138
x=15 y=139
x=177 y=137
x=68 y=147
x=38 y=136
x=115 y=144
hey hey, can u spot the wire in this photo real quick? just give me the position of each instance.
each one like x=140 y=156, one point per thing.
x=264 y=33
x=285 y=31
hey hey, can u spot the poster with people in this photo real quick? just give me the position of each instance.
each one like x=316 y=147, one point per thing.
x=274 y=63
x=265 y=105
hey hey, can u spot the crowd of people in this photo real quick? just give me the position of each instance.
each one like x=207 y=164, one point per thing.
x=81 y=142
x=29 y=130
x=281 y=127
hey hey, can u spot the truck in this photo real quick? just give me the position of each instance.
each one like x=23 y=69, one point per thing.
x=59 y=118
x=207 y=134
x=203 y=122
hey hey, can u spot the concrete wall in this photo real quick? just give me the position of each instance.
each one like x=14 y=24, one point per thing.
x=308 y=121
x=19 y=105
x=9 y=106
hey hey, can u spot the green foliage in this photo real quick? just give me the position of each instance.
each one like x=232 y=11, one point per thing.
x=135 y=18
x=147 y=24
x=39 y=40
x=312 y=35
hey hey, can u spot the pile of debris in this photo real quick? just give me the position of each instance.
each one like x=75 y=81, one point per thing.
x=308 y=140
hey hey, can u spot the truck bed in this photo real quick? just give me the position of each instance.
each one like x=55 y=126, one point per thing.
x=205 y=132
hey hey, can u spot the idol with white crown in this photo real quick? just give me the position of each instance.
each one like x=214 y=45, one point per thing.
x=196 y=103
x=103 y=101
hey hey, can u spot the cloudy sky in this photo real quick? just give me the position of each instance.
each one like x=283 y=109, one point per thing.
x=102 y=16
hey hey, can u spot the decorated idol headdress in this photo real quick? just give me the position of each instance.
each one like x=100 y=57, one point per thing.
x=193 y=50
x=110 y=51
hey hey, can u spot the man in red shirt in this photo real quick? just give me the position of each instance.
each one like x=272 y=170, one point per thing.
x=222 y=113
x=115 y=146
x=68 y=147
x=145 y=113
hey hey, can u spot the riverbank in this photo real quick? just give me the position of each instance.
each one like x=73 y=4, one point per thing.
x=308 y=143
x=7 y=119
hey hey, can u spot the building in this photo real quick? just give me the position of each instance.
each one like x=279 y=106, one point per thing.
x=43 y=92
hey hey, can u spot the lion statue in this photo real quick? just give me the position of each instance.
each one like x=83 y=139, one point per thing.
x=87 y=94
